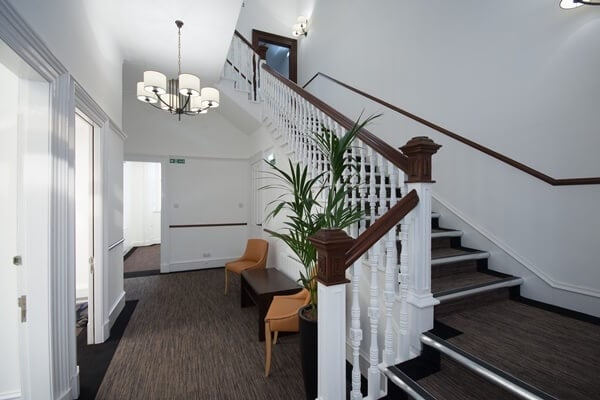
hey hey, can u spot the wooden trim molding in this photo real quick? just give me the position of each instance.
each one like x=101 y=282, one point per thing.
x=374 y=232
x=292 y=44
x=209 y=225
x=501 y=157
x=393 y=155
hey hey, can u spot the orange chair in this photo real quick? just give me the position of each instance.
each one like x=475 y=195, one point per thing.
x=282 y=317
x=254 y=257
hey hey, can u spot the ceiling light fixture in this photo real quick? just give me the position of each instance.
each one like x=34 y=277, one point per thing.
x=568 y=4
x=177 y=96
x=301 y=27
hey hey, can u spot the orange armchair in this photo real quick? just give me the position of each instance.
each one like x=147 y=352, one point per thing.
x=282 y=317
x=254 y=257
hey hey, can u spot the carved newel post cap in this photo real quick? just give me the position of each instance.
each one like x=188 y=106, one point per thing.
x=419 y=151
x=331 y=245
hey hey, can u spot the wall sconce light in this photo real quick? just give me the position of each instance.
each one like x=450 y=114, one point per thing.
x=301 y=27
x=568 y=4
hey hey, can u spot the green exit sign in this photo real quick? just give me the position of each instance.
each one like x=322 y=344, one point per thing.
x=177 y=160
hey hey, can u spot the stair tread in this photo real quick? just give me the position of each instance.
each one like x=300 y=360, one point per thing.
x=463 y=280
x=443 y=232
x=453 y=382
x=454 y=252
x=555 y=353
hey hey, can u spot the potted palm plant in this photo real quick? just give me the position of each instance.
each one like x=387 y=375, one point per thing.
x=311 y=203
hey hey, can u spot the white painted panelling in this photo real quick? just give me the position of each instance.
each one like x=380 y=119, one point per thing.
x=206 y=247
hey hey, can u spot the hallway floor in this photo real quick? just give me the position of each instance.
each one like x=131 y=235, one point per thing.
x=142 y=259
x=186 y=340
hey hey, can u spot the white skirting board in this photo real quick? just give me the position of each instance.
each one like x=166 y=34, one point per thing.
x=198 y=264
x=115 y=311
x=10 y=396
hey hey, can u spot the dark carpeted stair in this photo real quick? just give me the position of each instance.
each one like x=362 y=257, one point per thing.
x=486 y=333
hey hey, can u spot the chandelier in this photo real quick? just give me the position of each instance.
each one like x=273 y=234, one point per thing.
x=177 y=96
x=568 y=4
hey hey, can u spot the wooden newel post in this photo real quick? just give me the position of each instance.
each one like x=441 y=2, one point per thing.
x=331 y=245
x=419 y=151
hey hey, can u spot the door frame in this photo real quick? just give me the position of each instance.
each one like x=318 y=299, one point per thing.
x=96 y=285
x=291 y=44
x=51 y=371
x=165 y=238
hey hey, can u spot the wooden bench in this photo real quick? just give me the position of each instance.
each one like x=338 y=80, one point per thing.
x=259 y=286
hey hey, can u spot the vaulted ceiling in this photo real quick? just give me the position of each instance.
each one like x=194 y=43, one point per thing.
x=145 y=32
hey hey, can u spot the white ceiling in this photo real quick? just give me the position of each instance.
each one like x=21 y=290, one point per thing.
x=145 y=32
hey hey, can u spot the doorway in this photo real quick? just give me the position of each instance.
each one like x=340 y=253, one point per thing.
x=281 y=53
x=24 y=232
x=142 y=191
x=84 y=227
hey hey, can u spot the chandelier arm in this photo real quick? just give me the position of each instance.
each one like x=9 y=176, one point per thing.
x=162 y=101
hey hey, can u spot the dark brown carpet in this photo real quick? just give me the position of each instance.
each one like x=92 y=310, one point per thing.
x=143 y=258
x=557 y=354
x=186 y=340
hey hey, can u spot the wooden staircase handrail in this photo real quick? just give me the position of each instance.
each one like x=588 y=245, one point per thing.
x=246 y=41
x=505 y=159
x=391 y=154
x=381 y=226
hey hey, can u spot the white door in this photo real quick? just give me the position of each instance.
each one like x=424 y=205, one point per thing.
x=10 y=316
x=24 y=239
x=84 y=219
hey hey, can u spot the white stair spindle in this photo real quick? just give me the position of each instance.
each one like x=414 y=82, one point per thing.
x=373 y=372
x=355 y=334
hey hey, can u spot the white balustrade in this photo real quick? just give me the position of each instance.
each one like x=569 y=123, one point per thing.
x=375 y=183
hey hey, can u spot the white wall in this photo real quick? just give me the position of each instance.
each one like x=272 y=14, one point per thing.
x=268 y=16
x=485 y=71
x=207 y=191
x=83 y=46
x=9 y=313
x=142 y=204
x=113 y=211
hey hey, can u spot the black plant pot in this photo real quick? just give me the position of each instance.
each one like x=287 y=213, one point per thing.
x=308 y=348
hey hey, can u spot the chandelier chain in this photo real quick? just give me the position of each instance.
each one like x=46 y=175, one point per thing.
x=179 y=50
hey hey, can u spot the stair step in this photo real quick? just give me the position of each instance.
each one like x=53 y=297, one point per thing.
x=445 y=233
x=488 y=371
x=492 y=284
x=453 y=382
x=405 y=383
x=558 y=353
x=449 y=255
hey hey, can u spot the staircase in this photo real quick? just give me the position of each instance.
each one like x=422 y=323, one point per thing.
x=487 y=342
x=490 y=343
